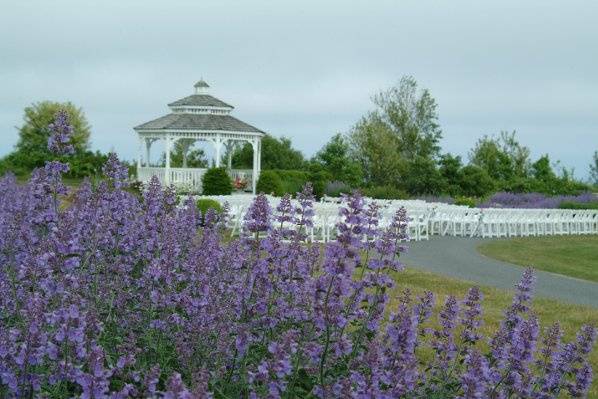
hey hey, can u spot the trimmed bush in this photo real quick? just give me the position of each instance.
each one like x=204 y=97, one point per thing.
x=216 y=182
x=292 y=180
x=385 y=192
x=578 y=205
x=270 y=183
x=203 y=204
x=319 y=180
x=466 y=201
x=336 y=188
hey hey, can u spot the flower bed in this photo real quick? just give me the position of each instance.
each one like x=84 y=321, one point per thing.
x=122 y=296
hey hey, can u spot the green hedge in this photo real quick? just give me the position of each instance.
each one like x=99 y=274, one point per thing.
x=292 y=181
x=216 y=182
x=269 y=183
x=578 y=205
x=385 y=192
x=280 y=182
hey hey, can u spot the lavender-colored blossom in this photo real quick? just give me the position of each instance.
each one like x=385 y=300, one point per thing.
x=258 y=215
x=61 y=132
x=105 y=294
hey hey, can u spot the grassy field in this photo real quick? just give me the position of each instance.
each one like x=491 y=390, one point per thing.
x=571 y=317
x=574 y=256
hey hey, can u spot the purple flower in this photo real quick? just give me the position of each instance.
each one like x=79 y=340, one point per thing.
x=60 y=134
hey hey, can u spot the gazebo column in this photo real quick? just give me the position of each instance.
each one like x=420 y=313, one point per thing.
x=259 y=157
x=167 y=170
x=148 y=146
x=185 y=144
x=139 y=152
x=254 y=172
x=217 y=146
x=230 y=146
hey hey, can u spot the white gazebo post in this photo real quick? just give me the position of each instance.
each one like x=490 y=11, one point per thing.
x=167 y=176
x=198 y=117
x=230 y=146
x=139 y=153
x=254 y=145
x=148 y=146
x=218 y=146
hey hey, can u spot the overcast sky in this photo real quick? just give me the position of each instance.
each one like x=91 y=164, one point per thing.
x=307 y=69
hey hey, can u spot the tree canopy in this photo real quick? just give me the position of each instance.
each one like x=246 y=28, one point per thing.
x=335 y=158
x=34 y=133
x=402 y=129
x=276 y=154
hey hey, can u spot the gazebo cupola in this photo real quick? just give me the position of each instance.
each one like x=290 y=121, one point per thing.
x=198 y=117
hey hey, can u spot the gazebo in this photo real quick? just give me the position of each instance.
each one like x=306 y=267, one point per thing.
x=198 y=117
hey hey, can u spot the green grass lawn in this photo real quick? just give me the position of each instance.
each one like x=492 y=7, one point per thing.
x=574 y=256
x=571 y=317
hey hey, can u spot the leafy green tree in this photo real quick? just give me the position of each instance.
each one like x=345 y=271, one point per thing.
x=594 y=169
x=423 y=177
x=402 y=128
x=502 y=157
x=183 y=155
x=216 y=182
x=336 y=159
x=450 y=165
x=375 y=148
x=475 y=181
x=34 y=133
x=276 y=154
x=542 y=171
x=412 y=115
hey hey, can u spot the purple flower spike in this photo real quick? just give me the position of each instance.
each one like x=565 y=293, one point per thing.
x=61 y=132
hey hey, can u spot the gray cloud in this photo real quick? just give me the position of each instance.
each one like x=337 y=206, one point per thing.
x=307 y=69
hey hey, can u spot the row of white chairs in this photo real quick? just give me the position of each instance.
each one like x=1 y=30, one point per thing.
x=427 y=219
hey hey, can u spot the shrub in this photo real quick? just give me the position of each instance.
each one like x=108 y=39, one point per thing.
x=475 y=181
x=134 y=304
x=203 y=204
x=318 y=181
x=466 y=201
x=336 y=188
x=578 y=205
x=534 y=200
x=216 y=182
x=385 y=192
x=269 y=183
x=117 y=296
x=292 y=181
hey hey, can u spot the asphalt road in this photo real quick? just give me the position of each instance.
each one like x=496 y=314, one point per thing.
x=459 y=258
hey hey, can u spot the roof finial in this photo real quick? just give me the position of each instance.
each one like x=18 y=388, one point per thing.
x=201 y=87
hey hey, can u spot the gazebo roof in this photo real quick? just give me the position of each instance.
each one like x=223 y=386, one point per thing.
x=199 y=112
x=200 y=100
x=201 y=83
x=211 y=122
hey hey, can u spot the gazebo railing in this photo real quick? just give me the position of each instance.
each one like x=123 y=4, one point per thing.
x=188 y=178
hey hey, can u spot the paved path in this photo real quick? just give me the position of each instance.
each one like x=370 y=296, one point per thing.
x=459 y=258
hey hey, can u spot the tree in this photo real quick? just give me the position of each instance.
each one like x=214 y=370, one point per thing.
x=594 y=169
x=402 y=128
x=336 y=159
x=183 y=155
x=542 y=171
x=450 y=165
x=502 y=157
x=375 y=148
x=276 y=154
x=412 y=115
x=34 y=133
x=423 y=177
x=475 y=181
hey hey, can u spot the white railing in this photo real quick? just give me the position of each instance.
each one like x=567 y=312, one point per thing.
x=188 y=178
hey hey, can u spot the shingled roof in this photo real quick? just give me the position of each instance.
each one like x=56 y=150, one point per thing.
x=200 y=100
x=198 y=122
